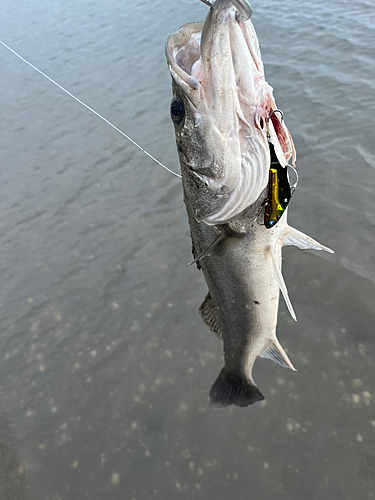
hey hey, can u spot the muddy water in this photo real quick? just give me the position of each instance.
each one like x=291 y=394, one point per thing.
x=105 y=365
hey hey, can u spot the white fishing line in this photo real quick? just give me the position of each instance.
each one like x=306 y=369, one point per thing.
x=90 y=109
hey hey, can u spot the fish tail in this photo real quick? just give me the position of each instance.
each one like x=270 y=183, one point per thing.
x=232 y=389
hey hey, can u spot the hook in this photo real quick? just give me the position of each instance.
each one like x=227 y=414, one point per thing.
x=242 y=6
x=269 y=117
x=244 y=9
x=293 y=188
x=277 y=111
x=263 y=206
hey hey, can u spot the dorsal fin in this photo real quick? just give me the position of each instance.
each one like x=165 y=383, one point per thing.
x=280 y=281
x=209 y=315
x=276 y=353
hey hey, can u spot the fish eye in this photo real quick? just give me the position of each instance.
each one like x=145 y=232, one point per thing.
x=177 y=109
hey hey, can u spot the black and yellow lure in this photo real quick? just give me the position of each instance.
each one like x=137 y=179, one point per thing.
x=279 y=193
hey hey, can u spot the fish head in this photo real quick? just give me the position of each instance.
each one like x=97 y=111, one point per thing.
x=221 y=111
x=197 y=137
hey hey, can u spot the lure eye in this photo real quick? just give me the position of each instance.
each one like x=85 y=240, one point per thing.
x=177 y=110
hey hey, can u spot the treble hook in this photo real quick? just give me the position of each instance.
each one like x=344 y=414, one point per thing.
x=242 y=6
x=293 y=188
x=277 y=111
x=269 y=117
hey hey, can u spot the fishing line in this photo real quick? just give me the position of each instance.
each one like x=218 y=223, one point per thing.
x=90 y=109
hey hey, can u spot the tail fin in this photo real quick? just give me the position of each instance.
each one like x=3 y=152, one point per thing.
x=231 y=389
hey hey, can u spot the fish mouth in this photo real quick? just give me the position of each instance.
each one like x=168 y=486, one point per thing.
x=218 y=67
x=182 y=52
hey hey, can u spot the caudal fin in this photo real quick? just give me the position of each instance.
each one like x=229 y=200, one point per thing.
x=231 y=389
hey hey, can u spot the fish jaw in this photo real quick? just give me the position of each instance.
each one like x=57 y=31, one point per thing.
x=218 y=74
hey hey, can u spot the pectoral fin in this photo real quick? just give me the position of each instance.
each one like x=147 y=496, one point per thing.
x=276 y=353
x=297 y=238
x=210 y=250
x=280 y=281
x=208 y=313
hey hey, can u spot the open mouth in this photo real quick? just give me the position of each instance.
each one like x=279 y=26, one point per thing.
x=187 y=55
x=218 y=68
x=223 y=57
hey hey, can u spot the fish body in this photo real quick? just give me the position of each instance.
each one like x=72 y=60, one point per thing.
x=226 y=128
x=245 y=297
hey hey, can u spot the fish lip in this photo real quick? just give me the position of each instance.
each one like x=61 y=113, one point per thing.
x=178 y=40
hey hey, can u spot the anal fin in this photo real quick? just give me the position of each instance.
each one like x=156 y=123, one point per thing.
x=276 y=353
x=208 y=313
x=280 y=281
x=297 y=238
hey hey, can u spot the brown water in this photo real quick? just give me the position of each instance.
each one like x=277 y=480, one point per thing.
x=105 y=365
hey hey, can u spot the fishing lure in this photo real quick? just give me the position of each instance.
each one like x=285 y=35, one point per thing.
x=279 y=194
x=280 y=190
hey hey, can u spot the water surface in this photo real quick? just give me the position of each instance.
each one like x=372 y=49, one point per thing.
x=105 y=365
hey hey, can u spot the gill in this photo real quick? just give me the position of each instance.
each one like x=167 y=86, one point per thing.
x=89 y=108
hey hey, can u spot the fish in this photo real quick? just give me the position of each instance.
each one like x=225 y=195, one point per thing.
x=234 y=150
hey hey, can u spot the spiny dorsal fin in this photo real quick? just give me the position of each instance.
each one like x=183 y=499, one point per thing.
x=280 y=281
x=276 y=353
x=209 y=315
x=297 y=238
